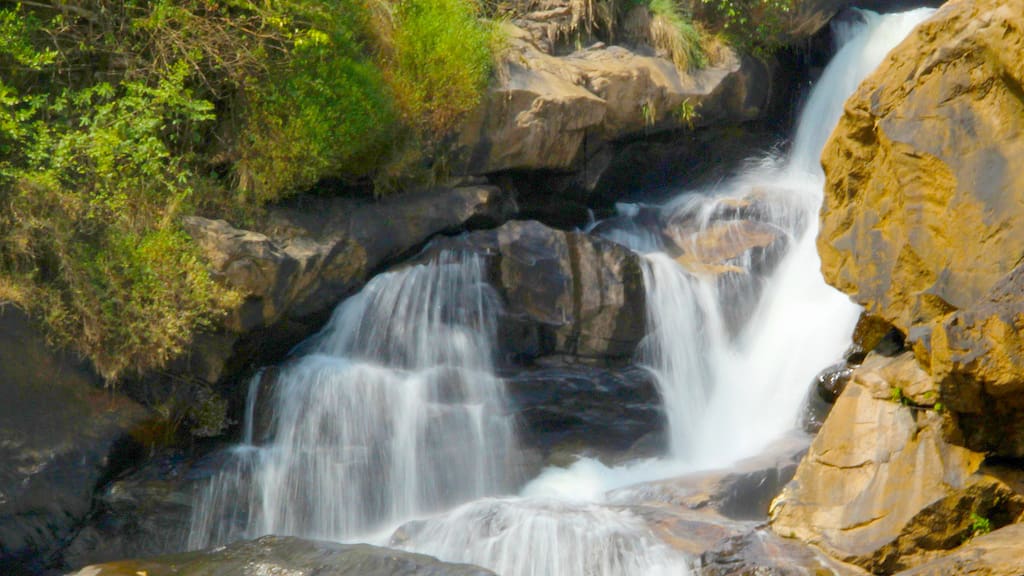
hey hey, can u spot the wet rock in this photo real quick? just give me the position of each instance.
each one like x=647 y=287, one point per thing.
x=759 y=552
x=923 y=221
x=995 y=554
x=742 y=491
x=287 y=555
x=826 y=388
x=145 y=513
x=61 y=437
x=594 y=411
x=881 y=487
x=566 y=293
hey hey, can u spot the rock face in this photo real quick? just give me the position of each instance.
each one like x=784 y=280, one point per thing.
x=585 y=409
x=923 y=221
x=141 y=514
x=880 y=487
x=566 y=293
x=286 y=555
x=545 y=112
x=61 y=435
x=995 y=554
x=314 y=252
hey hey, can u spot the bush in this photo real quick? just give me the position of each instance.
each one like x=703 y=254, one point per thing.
x=436 y=54
x=89 y=239
x=755 y=26
x=117 y=117
x=325 y=111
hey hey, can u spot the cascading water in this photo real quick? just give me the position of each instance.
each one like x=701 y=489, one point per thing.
x=396 y=413
x=749 y=387
x=730 y=383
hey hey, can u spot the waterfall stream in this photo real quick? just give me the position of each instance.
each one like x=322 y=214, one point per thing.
x=397 y=416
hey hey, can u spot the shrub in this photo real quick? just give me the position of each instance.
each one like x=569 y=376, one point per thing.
x=436 y=54
x=755 y=26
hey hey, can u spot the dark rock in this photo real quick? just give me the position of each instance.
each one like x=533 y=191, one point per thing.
x=287 y=555
x=596 y=411
x=61 y=437
x=145 y=513
x=566 y=293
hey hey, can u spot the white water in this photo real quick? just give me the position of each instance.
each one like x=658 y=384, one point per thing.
x=399 y=414
x=396 y=414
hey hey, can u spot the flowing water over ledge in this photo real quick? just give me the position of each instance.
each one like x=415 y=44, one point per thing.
x=397 y=416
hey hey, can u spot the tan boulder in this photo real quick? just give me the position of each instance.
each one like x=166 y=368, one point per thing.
x=546 y=112
x=923 y=221
x=880 y=487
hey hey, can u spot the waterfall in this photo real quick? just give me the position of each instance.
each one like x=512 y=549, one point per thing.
x=727 y=397
x=396 y=413
x=733 y=354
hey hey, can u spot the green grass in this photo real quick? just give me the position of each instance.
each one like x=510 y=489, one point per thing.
x=674 y=33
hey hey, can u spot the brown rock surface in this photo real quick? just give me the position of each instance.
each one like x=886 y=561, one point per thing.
x=546 y=112
x=923 y=220
x=880 y=487
x=1000 y=553
x=314 y=252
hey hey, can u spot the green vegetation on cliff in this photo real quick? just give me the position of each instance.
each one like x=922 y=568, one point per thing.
x=117 y=118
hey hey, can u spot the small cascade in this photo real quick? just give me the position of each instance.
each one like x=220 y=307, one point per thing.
x=728 y=395
x=546 y=537
x=395 y=414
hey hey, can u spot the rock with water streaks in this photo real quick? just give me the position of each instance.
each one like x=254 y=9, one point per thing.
x=290 y=556
x=881 y=487
x=923 y=220
x=313 y=252
x=565 y=293
x=61 y=436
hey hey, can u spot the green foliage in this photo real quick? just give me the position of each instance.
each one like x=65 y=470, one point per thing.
x=438 y=61
x=648 y=113
x=324 y=111
x=896 y=395
x=87 y=221
x=687 y=113
x=675 y=33
x=979 y=525
x=755 y=26
x=117 y=117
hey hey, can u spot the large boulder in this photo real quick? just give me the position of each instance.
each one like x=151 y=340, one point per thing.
x=313 y=252
x=287 y=555
x=923 y=220
x=61 y=436
x=881 y=488
x=565 y=293
x=545 y=112
x=577 y=409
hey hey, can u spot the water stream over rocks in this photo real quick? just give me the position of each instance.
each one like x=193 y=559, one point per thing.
x=395 y=415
